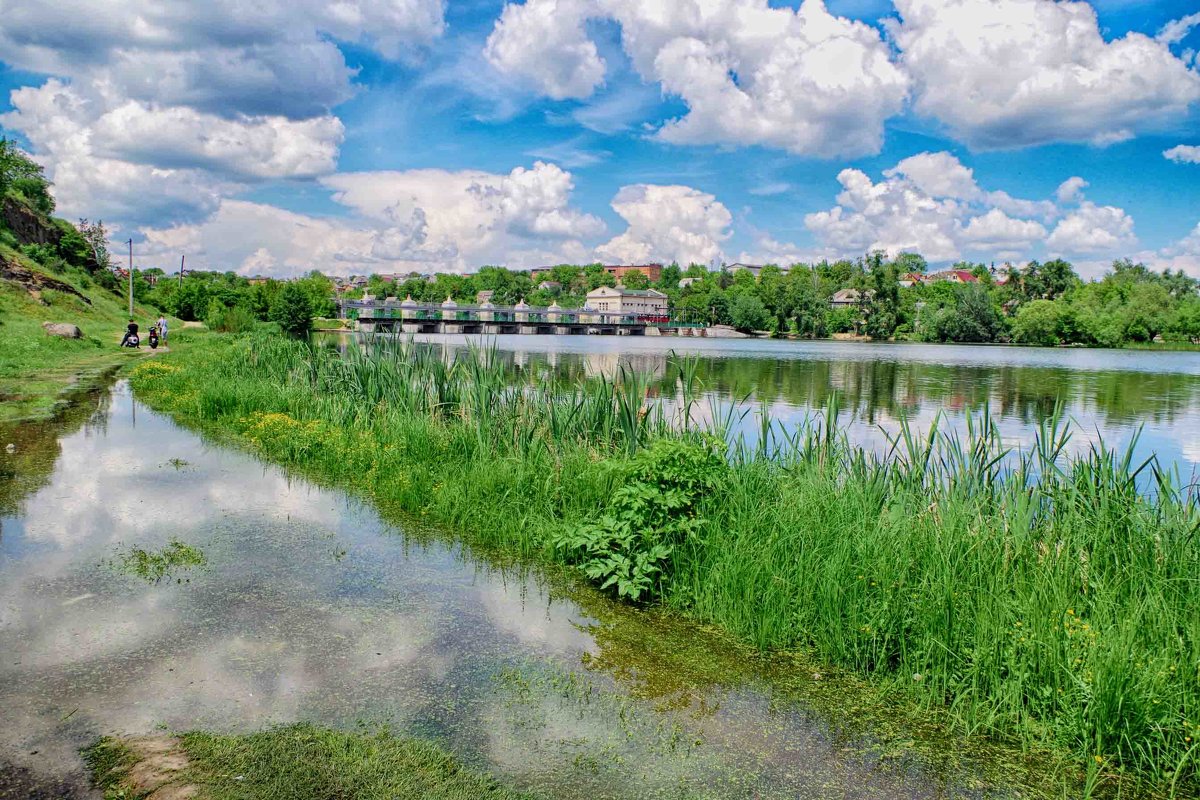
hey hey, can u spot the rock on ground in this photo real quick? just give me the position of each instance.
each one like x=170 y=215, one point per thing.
x=63 y=329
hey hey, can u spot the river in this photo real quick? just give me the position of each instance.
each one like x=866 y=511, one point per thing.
x=1108 y=395
x=313 y=607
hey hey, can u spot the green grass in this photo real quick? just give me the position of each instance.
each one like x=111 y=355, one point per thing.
x=109 y=761
x=37 y=369
x=304 y=762
x=1036 y=598
x=152 y=566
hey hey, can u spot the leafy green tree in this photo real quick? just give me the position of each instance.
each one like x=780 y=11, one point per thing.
x=841 y=320
x=669 y=280
x=292 y=311
x=748 y=313
x=973 y=317
x=320 y=293
x=597 y=277
x=1039 y=322
x=636 y=280
x=1184 y=324
x=20 y=172
x=910 y=262
x=191 y=301
x=883 y=306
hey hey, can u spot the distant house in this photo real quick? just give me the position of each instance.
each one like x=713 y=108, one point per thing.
x=953 y=276
x=484 y=296
x=910 y=279
x=550 y=286
x=753 y=269
x=257 y=280
x=846 y=298
x=619 y=300
x=686 y=282
x=651 y=271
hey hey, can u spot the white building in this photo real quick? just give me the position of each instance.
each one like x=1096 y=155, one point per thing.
x=755 y=269
x=619 y=300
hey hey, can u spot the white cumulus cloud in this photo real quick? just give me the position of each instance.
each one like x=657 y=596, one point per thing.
x=480 y=216
x=158 y=109
x=805 y=81
x=1092 y=228
x=931 y=203
x=545 y=42
x=1011 y=73
x=667 y=223
x=1184 y=154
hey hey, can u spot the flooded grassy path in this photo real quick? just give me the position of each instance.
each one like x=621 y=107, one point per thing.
x=312 y=607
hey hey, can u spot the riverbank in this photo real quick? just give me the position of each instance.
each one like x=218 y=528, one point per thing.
x=1005 y=602
x=38 y=371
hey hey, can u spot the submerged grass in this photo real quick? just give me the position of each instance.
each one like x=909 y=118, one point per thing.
x=154 y=565
x=1039 y=597
x=301 y=762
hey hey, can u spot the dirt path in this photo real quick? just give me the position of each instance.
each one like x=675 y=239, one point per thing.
x=152 y=769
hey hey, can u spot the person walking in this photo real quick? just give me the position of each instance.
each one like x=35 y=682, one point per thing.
x=162 y=329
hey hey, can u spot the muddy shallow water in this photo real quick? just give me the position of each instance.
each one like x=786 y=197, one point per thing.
x=312 y=607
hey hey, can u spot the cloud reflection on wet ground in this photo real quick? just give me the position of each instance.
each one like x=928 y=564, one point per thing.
x=311 y=607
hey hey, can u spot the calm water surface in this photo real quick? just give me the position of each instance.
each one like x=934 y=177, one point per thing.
x=1109 y=394
x=312 y=607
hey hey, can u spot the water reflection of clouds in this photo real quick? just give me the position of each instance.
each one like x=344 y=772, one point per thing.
x=313 y=608
x=110 y=489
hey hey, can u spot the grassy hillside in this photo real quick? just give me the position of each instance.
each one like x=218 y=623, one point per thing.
x=36 y=369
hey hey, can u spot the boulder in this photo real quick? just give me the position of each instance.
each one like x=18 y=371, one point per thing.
x=63 y=329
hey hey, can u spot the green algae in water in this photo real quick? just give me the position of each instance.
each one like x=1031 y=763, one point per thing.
x=153 y=566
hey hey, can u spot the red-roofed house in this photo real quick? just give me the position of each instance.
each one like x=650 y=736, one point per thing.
x=954 y=276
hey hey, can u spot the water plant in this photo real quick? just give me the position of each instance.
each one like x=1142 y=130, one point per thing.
x=152 y=566
x=1045 y=595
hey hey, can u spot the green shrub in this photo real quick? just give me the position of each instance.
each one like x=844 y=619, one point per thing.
x=292 y=311
x=629 y=546
x=228 y=320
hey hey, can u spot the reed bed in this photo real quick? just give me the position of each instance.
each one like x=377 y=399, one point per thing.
x=1048 y=597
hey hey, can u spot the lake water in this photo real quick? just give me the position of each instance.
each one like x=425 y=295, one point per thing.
x=1108 y=394
x=313 y=607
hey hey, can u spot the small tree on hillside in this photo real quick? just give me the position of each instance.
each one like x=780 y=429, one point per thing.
x=97 y=239
x=21 y=174
x=292 y=311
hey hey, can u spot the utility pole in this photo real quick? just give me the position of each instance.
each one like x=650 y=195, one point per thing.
x=181 y=260
x=131 y=278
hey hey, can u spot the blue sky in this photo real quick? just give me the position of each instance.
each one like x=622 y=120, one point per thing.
x=277 y=137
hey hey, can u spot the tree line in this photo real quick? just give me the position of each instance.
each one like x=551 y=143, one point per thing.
x=1037 y=303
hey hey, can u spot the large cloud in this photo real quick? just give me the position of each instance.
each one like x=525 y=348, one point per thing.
x=545 y=41
x=667 y=223
x=1011 y=73
x=424 y=220
x=1092 y=229
x=181 y=51
x=805 y=81
x=435 y=220
x=141 y=163
x=160 y=108
x=931 y=204
x=481 y=216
